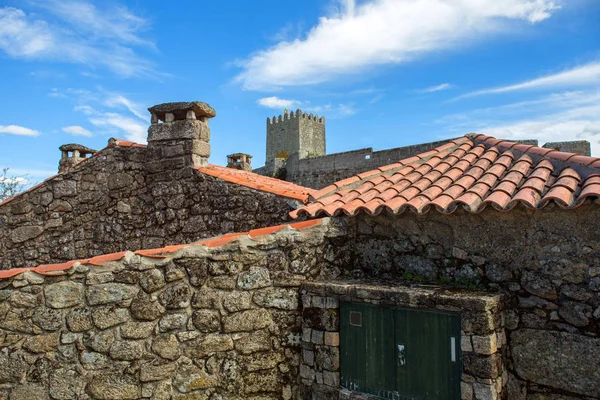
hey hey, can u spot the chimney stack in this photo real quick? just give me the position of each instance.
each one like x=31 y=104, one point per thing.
x=73 y=154
x=179 y=136
x=241 y=161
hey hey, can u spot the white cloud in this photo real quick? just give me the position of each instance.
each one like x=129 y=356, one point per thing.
x=334 y=112
x=77 y=131
x=277 y=103
x=582 y=75
x=379 y=32
x=18 y=130
x=9 y=180
x=557 y=117
x=134 y=129
x=437 y=88
x=135 y=109
x=79 y=33
x=21 y=37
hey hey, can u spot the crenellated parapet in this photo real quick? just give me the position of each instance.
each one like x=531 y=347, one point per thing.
x=296 y=115
x=295 y=132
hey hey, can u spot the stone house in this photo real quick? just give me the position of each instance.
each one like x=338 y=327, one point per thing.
x=469 y=271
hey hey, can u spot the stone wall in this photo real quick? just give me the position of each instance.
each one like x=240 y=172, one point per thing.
x=111 y=203
x=319 y=172
x=200 y=323
x=546 y=262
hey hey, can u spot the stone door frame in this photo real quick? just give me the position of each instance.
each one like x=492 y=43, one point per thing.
x=483 y=340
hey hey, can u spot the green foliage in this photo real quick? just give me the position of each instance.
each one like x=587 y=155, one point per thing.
x=11 y=185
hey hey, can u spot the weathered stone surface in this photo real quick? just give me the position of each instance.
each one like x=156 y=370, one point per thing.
x=167 y=347
x=113 y=386
x=576 y=314
x=101 y=341
x=28 y=392
x=106 y=317
x=152 y=280
x=264 y=381
x=212 y=343
x=13 y=367
x=176 y=295
x=237 y=301
x=144 y=308
x=254 y=278
x=171 y=322
x=24 y=233
x=285 y=299
x=42 y=343
x=570 y=360
x=179 y=109
x=79 y=320
x=127 y=350
x=190 y=378
x=137 y=330
x=207 y=320
x=158 y=372
x=244 y=321
x=110 y=293
x=64 y=294
x=66 y=384
x=254 y=342
x=93 y=360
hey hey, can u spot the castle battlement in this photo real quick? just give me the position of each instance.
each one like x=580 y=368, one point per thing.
x=295 y=132
x=297 y=115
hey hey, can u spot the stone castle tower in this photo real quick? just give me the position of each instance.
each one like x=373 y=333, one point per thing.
x=295 y=133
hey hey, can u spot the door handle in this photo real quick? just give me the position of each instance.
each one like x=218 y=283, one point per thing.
x=401 y=359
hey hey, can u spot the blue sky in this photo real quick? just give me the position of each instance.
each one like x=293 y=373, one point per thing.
x=385 y=73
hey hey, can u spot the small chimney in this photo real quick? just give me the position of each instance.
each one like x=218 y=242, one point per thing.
x=73 y=154
x=240 y=161
x=179 y=136
x=581 y=147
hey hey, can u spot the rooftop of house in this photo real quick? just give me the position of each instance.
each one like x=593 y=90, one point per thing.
x=256 y=234
x=472 y=172
x=231 y=175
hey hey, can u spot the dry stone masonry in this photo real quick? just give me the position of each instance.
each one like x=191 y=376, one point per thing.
x=201 y=323
x=129 y=197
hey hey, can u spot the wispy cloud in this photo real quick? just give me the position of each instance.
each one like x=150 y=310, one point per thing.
x=277 y=103
x=120 y=100
x=133 y=128
x=78 y=32
x=378 y=32
x=376 y=99
x=77 y=131
x=557 y=117
x=437 y=88
x=18 y=130
x=333 y=111
x=579 y=76
x=111 y=112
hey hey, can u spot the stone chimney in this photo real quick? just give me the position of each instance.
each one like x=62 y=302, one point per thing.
x=581 y=147
x=179 y=136
x=240 y=161
x=73 y=154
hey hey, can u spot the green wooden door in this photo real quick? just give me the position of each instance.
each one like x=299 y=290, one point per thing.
x=398 y=353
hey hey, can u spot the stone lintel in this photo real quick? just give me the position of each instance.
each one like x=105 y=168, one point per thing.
x=180 y=110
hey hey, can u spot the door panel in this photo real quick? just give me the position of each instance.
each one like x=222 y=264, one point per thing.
x=366 y=351
x=400 y=353
x=430 y=372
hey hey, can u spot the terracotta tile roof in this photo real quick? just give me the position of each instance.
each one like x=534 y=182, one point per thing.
x=258 y=182
x=472 y=172
x=61 y=268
